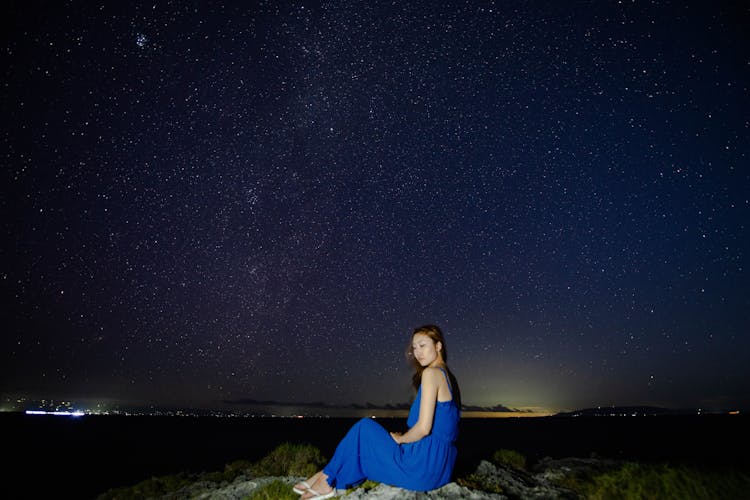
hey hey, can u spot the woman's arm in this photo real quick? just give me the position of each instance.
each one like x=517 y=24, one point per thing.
x=423 y=427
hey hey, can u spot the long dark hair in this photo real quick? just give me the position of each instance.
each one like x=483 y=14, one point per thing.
x=436 y=334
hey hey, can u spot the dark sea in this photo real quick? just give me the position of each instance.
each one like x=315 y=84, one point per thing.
x=84 y=456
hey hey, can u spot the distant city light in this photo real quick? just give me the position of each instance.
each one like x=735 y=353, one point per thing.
x=57 y=413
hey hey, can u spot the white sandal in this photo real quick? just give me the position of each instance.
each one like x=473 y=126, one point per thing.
x=323 y=496
x=299 y=491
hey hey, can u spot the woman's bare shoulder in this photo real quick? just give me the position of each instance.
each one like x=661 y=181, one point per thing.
x=432 y=373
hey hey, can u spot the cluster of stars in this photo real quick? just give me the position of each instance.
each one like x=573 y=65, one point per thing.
x=211 y=202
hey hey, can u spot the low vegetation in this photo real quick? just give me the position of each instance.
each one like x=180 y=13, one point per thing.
x=276 y=490
x=150 y=488
x=477 y=482
x=510 y=458
x=290 y=460
x=632 y=481
x=286 y=460
x=623 y=480
x=366 y=486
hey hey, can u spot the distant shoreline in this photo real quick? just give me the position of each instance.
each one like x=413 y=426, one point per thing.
x=288 y=411
x=354 y=412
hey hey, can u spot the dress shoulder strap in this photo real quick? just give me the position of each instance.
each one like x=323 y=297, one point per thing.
x=447 y=379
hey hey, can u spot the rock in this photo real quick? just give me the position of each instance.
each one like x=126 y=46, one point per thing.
x=538 y=484
x=550 y=469
x=450 y=491
x=243 y=487
x=519 y=484
x=237 y=490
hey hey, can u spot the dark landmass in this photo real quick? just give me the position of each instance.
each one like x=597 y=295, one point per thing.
x=366 y=406
x=253 y=407
x=496 y=408
x=626 y=411
x=619 y=411
x=316 y=404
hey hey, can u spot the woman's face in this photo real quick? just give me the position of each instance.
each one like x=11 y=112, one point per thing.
x=425 y=350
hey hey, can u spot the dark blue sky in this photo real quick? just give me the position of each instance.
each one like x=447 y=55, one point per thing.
x=203 y=203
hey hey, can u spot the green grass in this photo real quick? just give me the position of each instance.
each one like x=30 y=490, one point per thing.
x=290 y=460
x=640 y=481
x=366 y=486
x=510 y=458
x=275 y=490
x=477 y=482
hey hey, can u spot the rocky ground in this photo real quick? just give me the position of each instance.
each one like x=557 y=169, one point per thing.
x=497 y=481
x=242 y=488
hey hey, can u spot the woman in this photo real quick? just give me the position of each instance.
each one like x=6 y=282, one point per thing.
x=420 y=459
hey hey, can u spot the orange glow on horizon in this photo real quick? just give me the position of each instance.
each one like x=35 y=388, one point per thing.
x=505 y=414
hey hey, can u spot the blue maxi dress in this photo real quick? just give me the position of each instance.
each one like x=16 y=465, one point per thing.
x=369 y=452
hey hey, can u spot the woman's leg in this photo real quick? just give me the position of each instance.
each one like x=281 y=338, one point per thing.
x=365 y=443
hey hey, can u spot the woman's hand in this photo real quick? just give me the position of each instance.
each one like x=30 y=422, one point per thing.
x=396 y=436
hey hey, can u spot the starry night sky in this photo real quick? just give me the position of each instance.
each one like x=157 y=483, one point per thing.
x=204 y=202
